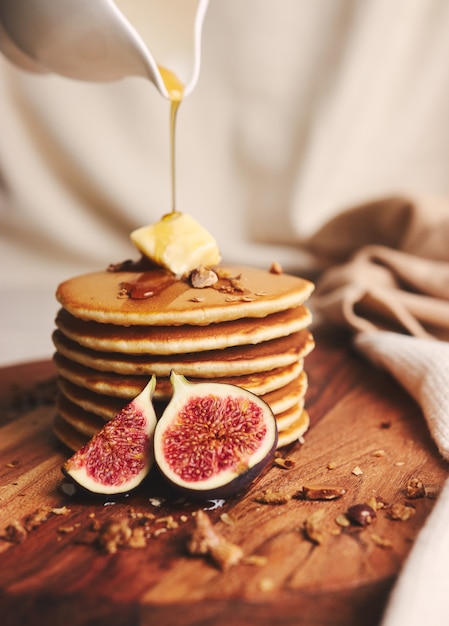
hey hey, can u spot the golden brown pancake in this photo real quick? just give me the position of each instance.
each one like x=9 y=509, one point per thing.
x=128 y=387
x=213 y=363
x=169 y=340
x=107 y=407
x=295 y=431
x=240 y=292
x=116 y=329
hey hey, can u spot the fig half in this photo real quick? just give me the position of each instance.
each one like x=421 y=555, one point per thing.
x=120 y=455
x=213 y=439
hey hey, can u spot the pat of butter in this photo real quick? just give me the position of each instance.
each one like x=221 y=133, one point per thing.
x=178 y=243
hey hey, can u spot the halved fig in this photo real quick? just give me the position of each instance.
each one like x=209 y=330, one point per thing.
x=120 y=455
x=213 y=439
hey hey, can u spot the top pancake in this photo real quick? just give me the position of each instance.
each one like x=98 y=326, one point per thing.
x=240 y=292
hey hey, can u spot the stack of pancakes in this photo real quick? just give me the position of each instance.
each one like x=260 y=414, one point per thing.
x=117 y=328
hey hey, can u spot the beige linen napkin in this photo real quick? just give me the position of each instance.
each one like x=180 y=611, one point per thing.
x=387 y=278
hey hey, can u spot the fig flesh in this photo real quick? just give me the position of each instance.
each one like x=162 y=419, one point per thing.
x=120 y=455
x=213 y=439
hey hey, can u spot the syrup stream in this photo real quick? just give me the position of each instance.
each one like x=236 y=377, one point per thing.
x=175 y=90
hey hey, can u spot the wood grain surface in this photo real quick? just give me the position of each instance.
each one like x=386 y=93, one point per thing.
x=56 y=573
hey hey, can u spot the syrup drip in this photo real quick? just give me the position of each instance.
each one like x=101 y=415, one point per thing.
x=147 y=285
x=175 y=90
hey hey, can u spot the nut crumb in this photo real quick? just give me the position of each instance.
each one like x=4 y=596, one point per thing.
x=321 y=492
x=382 y=542
x=342 y=520
x=255 y=559
x=400 y=512
x=357 y=471
x=205 y=540
x=276 y=268
x=331 y=465
x=196 y=299
x=285 y=463
x=312 y=529
x=379 y=453
x=15 y=532
x=227 y=519
x=415 y=489
x=273 y=497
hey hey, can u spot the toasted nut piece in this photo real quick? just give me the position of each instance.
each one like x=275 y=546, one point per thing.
x=361 y=514
x=273 y=497
x=342 y=521
x=276 y=268
x=203 y=277
x=321 y=492
x=382 y=542
x=312 y=528
x=415 y=489
x=285 y=463
x=205 y=540
x=400 y=512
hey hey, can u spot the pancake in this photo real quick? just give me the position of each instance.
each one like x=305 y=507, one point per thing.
x=128 y=387
x=117 y=328
x=212 y=363
x=240 y=293
x=295 y=431
x=169 y=340
x=107 y=407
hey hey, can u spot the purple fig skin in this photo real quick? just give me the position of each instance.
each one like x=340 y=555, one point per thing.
x=177 y=437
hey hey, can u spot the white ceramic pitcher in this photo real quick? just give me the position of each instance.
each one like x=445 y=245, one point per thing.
x=101 y=40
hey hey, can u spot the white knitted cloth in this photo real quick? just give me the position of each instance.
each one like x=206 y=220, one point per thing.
x=421 y=366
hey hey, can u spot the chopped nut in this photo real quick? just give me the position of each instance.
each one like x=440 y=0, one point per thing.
x=273 y=497
x=321 y=492
x=381 y=541
x=342 y=521
x=331 y=465
x=361 y=514
x=205 y=540
x=400 y=463
x=137 y=539
x=379 y=453
x=285 y=463
x=255 y=559
x=276 y=268
x=400 y=512
x=37 y=518
x=65 y=530
x=15 y=532
x=357 y=471
x=312 y=529
x=415 y=489
x=203 y=277
x=114 y=534
x=227 y=519
x=169 y=522
x=196 y=299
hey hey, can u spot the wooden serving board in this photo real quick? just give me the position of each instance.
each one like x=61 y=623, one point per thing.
x=360 y=418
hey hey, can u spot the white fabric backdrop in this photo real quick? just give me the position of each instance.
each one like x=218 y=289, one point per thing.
x=302 y=109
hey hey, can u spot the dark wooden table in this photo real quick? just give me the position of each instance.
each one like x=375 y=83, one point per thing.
x=366 y=435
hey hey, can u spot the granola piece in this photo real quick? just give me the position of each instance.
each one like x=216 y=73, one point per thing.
x=15 y=532
x=415 y=489
x=273 y=497
x=276 y=268
x=312 y=527
x=36 y=518
x=400 y=512
x=206 y=541
x=320 y=492
x=114 y=534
